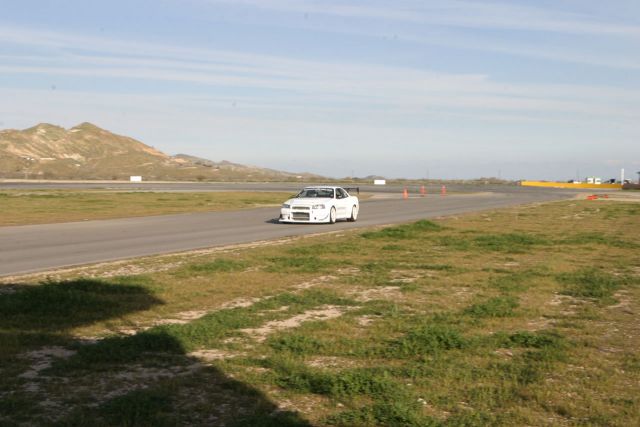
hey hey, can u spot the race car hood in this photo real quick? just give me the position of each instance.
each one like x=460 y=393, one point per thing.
x=308 y=201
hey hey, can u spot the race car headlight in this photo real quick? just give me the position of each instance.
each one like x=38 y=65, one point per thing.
x=317 y=207
x=286 y=206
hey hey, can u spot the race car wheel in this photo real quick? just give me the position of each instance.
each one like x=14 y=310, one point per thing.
x=332 y=216
x=354 y=214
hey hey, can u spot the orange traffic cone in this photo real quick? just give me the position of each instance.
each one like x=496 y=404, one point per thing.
x=423 y=191
x=405 y=194
x=443 y=191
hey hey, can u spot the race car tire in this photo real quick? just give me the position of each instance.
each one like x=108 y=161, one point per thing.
x=354 y=214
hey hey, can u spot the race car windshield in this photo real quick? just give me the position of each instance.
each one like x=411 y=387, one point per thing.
x=316 y=193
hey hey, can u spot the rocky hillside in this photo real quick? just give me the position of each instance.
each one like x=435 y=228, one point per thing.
x=88 y=152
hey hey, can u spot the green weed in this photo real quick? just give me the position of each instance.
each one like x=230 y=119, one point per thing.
x=436 y=267
x=15 y=404
x=336 y=248
x=533 y=340
x=494 y=307
x=508 y=242
x=218 y=265
x=139 y=408
x=592 y=283
x=296 y=344
x=518 y=281
x=599 y=239
x=429 y=339
x=631 y=363
x=392 y=248
x=394 y=413
x=455 y=243
x=270 y=419
x=299 y=264
x=473 y=418
x=408 y=231
x=371 y=382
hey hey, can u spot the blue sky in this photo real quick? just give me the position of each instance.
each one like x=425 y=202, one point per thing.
x=546 y=89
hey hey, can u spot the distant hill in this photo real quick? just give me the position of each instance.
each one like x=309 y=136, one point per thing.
x=88 y=152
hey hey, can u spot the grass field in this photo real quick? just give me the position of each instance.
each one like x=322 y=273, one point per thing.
x=523 y=316
x=19 y=207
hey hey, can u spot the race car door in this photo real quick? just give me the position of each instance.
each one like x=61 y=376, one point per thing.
x=342 y=203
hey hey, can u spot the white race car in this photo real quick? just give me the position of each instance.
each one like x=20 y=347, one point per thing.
x=320 y=204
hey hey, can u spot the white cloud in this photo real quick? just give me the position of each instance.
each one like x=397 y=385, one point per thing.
x=442 y=23
x=468 y=14
x=312 y=84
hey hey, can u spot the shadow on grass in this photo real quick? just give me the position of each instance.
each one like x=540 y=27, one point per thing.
x=161 y=385
x=43 y=314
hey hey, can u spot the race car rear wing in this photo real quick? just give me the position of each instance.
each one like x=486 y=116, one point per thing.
x=349 y=190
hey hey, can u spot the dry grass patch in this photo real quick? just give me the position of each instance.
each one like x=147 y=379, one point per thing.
x=20 y=207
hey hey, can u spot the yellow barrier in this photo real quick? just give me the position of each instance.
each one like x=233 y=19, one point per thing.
x=570 y=185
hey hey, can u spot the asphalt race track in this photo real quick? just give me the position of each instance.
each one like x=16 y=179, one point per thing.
x=34 y=248
x=241 y=186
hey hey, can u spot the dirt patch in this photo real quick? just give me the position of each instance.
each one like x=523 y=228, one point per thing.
x=315 y=282
x=563 y=299
x=367 y=320
x=276 y=310
x=7 y=290
x=349 y=271
x=108 y=386
x=567 y=301
x=330 y=362
x=624 y=303
x=136 y=269
x=183 y=317
x=140 y=375
x=43 y=358
x=383 y=293
x=40 y=360
x=133 y=331
x=210 y=355
x=504 y=352
x=100 y=387
x=326 y=312
x=539 y=324
x=240 y=303
x=406 y=276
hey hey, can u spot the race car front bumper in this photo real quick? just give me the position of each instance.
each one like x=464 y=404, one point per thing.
x=304 y=214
